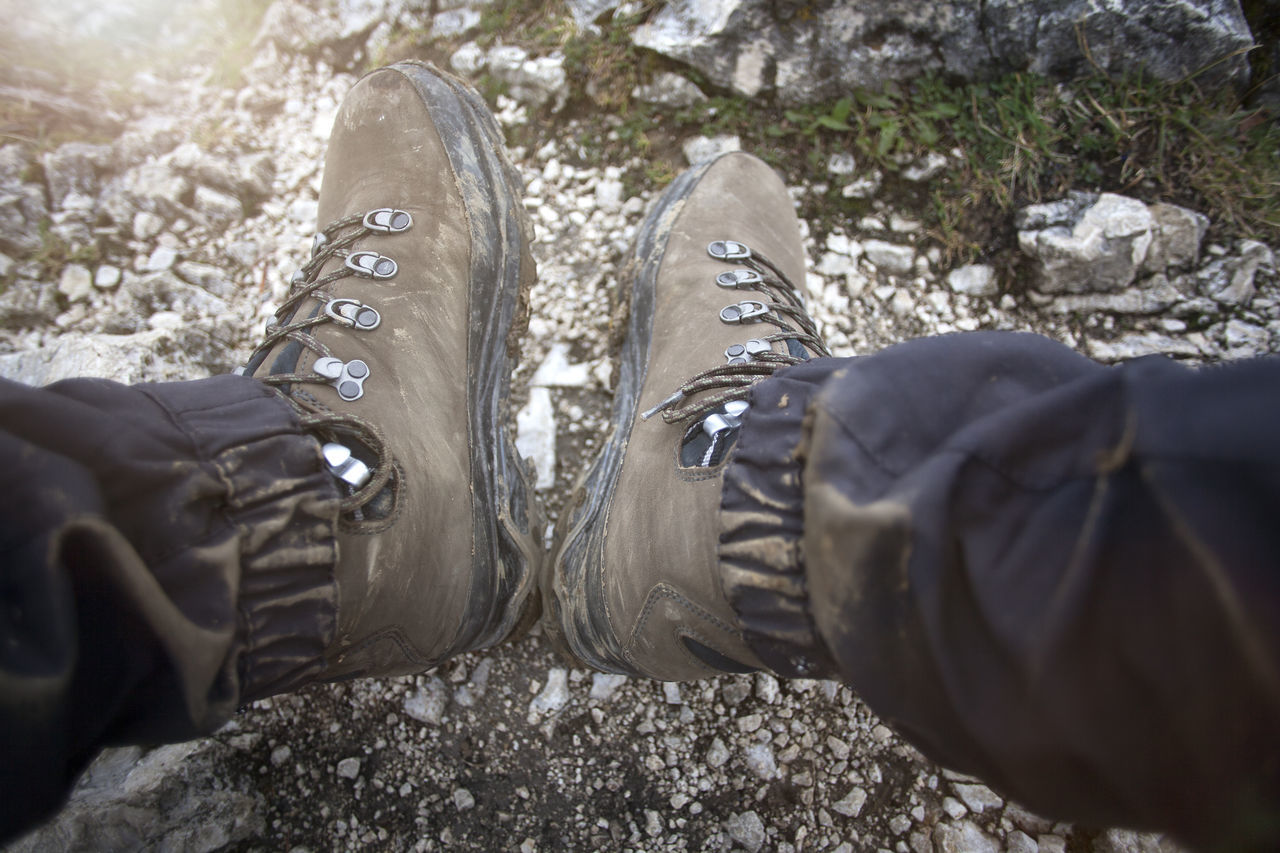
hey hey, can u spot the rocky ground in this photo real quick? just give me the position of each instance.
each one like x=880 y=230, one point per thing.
x=172 y=222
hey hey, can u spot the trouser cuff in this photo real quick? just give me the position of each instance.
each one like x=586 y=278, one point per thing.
x=762 y=524
x=279 y=508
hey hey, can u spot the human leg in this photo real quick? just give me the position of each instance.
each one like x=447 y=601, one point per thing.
x=168 y=549
x=193 y=546
x=1044 y=571
x=1053 y=575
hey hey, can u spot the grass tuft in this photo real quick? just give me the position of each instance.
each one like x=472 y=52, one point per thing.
x=1020 y=138
x=1007 y=142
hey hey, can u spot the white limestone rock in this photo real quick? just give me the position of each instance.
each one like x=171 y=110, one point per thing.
x=536 y=436
x=469 y=60
x=1100 y=250
x=1178 y=234
x=533 y=81
x=699 y=149
x=851 y=804
x=75 y=283
x=554 y=694
x=217 y=208
x=746 y=829
x=106 y=277
x=670 y=90
x=757 y=46
x=452 y=23
x=889 y=257
x=841 y=163
x=974 y=280
x=428 y=703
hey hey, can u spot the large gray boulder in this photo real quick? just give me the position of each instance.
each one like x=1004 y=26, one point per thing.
x=1086 y=243
x=1103 y=243
x=173 y=798
x=755 y=46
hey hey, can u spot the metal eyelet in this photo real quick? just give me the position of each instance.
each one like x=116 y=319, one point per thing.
x=743 y=353
x=345 y=466
x=353 y=314
x=729 y=418
x=317 y=243
x=728 y=250
x=739 y=312
x=737 y=354
x=715 y=424
x=738 y=278
x=347 y=377
x=388 y=220
x=372 y=265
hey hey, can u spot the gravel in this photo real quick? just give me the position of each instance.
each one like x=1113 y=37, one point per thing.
x=511 y=749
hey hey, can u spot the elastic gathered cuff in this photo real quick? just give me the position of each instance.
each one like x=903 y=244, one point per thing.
x=762 y=525
x=281 y=508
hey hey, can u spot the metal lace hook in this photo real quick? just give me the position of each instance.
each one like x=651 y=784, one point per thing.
x=748 y=309
x=738 y=278
x=728 y=250
x=371 y=265
x=352 y=313
x=388 y=220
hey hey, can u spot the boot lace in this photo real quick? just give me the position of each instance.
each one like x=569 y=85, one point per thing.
x=337 y=240
x=721 y=391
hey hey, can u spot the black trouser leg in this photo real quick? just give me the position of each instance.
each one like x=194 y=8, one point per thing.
x=167 y=553
x=1059 y=576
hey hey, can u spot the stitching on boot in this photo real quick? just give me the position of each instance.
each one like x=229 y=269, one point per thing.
x=397 y=637
x=664 y=590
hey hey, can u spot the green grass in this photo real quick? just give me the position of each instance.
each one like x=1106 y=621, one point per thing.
x=54 y=253
x=1022 y=138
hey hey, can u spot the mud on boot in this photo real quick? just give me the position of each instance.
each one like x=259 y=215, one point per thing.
x=395 y=345
x=634 y=585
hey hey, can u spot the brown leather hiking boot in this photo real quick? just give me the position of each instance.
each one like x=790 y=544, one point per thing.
x=395 y=344
x=634 y=585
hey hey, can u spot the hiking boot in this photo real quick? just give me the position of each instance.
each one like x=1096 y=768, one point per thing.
x=395 y=345
x=634 y=585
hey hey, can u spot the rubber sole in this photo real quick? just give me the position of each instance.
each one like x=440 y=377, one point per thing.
x=506 y=519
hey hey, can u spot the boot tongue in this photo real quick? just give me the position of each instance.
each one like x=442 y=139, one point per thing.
x=283 y=356
x=797 y=350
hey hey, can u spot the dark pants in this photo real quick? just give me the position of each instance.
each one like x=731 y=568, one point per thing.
x=1061 y=577
x=167 y=554
x=1057 y=576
